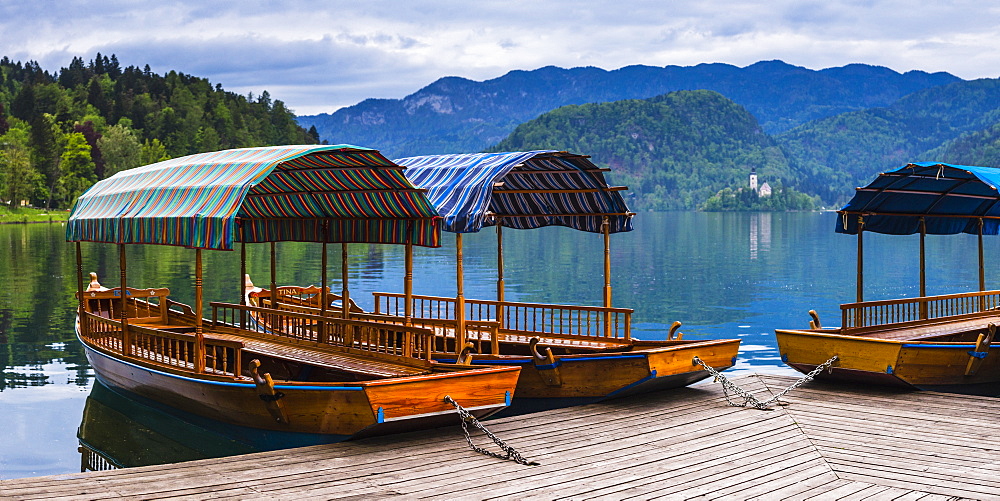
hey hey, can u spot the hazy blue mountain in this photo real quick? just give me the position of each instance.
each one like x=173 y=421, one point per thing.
x=459 y=115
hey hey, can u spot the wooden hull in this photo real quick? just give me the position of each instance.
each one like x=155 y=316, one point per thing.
x=584 y=378
x=929 y=365
x=342 y=410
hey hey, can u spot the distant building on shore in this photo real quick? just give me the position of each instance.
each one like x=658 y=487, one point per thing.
x=764 y=190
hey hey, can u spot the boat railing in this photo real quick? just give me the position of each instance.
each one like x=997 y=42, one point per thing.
x=482 y=334
x=358 y=335
x=873 y=315
x=173 y=349
x=517 y=317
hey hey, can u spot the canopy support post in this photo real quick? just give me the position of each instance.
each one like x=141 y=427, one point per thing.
x=982 y=260
x=923 y=267
x=459 y=297
x=408 y=285
x=243 y=290
x=274 y=281
x=606 y=229
x=923 y=259
x=323 y=301
x=243 y=273
x=199 y=333
x=126 y=341
x=500 y=281
x=861 y=260
x=345 y=293
x=79 y=288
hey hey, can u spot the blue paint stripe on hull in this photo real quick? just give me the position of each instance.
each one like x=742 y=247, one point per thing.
x=956 y=346
x=527 y=360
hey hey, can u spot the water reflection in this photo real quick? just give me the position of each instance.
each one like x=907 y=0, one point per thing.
x=760 y=232
x=118 y=432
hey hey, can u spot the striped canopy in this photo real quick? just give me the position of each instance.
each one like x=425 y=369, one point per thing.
x=310 y=193
x=519 y=190
x=949 y=199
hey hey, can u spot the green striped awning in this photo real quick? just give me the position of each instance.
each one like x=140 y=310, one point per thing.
x=331 y=194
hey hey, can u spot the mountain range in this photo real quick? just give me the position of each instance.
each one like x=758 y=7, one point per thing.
x=821 y=132
x=455 y=114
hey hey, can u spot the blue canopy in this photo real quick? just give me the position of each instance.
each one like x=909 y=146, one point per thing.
x=519 y=190
x=949 y=198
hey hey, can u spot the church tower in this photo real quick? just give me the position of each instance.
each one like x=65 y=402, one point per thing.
x=753 y=178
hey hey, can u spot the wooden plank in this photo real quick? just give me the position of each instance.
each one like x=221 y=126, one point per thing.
x=933 y=485
x=892 y=494
x=871 y=490
x=814 y=489
x=841 y=491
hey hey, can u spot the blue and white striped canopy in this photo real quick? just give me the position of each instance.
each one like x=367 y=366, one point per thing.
x=519 y=190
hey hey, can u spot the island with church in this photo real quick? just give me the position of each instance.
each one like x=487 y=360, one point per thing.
x=758 y=196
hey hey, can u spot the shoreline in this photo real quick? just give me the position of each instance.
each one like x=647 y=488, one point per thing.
x=50 y=221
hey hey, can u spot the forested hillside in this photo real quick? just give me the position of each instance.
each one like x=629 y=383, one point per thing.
x=832 y=155
x=973 y=148
x=61 y=132
x=459 y=115
x=673 y=151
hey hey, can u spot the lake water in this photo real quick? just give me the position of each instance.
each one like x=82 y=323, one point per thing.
x=723 y=275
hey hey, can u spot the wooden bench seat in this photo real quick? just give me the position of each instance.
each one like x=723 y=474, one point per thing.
x=343 y=362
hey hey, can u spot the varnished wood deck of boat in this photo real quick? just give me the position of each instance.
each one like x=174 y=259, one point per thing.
x=831 y=442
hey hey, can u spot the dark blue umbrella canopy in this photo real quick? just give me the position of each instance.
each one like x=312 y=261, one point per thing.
x=949 y=198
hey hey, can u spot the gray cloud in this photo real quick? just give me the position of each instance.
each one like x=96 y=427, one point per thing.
x=318 y=56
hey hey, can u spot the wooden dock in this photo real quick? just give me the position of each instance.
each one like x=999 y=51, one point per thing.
x=831 y=442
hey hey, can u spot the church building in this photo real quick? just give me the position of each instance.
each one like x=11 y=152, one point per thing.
x=764 y=190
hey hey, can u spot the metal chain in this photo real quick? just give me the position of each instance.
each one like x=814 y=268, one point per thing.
x=511 y=454
x=748 y=398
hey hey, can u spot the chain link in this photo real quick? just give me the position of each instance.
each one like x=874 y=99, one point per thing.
x=751 y=401
x=511 y=454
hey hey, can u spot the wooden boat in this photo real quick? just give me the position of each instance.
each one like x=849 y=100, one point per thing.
x=316 y=375
x=944 y=342
x=568 y=354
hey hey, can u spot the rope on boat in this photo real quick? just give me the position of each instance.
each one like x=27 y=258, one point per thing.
x=511 y=454
x=751 y=401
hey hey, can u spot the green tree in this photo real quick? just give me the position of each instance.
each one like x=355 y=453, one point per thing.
x=19 y=177
x=45 y=155
x=121 y=149
x=77 y=167
x=152 y=152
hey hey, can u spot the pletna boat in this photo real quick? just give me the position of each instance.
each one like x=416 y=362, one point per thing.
x=944 y=342
x=315 y=375
x=568 y=354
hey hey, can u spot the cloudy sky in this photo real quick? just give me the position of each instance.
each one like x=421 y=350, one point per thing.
x=319 y=56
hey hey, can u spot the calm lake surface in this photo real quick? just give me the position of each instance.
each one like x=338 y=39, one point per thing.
x=723 y=275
